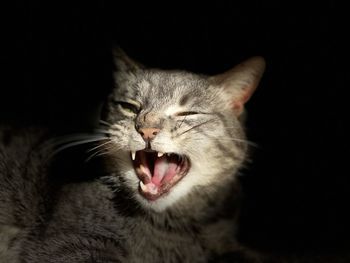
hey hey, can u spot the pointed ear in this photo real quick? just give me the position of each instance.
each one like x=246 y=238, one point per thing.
x=239 y=83
x=123 y=62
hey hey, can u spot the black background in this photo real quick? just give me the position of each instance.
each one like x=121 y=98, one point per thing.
x=58 y=69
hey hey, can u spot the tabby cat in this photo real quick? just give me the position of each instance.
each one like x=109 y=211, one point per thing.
x=171 y=142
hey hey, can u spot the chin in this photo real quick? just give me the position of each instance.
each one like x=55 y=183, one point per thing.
x=174 y=196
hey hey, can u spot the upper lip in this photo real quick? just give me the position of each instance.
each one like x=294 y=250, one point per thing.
x=159 y=154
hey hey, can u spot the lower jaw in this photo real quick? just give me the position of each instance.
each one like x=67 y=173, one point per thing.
x=149 y=197
x=153 y=190
x=162 y=191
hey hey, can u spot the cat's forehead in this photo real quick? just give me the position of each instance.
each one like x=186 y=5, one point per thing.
x=171 y=82
x=151 y=86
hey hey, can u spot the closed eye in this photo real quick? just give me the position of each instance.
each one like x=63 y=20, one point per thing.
x=129 y=107
x=186 y=113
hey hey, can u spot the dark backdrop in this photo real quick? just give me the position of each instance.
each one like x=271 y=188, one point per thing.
x=58 y=69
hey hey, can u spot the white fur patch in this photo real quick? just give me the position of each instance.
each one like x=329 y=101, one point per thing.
x=170 y=111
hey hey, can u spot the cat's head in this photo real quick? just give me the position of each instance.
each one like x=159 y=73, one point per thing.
x=175 y=132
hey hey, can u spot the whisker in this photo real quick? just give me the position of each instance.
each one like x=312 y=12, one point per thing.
x=238 y=140
x=95 y=154
x=100 y=145
x=103 y=151
x=196 y=126
x=113 y=147
x=185 y=117
x=75 y=143
x=250 y=143
x=72 y=137
x=102 y=131
x=59 y=140
x=105 y=123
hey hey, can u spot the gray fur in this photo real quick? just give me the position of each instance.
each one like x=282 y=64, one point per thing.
x=107 y=220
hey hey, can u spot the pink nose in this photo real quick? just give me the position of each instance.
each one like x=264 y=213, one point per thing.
x=148 y=134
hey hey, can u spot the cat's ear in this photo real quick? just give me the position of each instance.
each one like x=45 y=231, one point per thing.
x=240 y=82
x=123 y=62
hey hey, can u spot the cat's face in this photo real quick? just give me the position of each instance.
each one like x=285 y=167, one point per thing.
x=173 y=131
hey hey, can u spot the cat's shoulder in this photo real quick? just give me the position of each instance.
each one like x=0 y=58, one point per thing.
x=18 y=142
x=10 y=134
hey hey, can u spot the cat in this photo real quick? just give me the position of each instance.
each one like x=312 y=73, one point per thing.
x=171 y=143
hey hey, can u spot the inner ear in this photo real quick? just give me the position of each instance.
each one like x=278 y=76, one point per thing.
x=239 y=83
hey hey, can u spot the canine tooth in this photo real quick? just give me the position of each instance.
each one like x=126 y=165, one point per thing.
x=160 y=154
x=143 y=186
x=133 y=155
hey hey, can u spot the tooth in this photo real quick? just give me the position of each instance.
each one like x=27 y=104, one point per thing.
x=160 y=154
x=133 y=155
x=153 y=189
x=143 y=186
x=144 y=171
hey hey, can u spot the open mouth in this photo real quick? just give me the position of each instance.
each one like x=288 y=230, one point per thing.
x=158 y=172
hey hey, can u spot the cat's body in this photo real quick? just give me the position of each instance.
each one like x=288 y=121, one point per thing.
x=168 y=190
x=89 y=222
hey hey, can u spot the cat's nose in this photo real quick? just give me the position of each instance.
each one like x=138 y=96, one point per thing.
x=148 y=134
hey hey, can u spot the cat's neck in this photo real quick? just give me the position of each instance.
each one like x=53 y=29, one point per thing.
x=208 y=220
x=205 y=204
x=200 y=207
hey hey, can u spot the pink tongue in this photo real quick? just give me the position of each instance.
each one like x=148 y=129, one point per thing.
x=164 y=170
